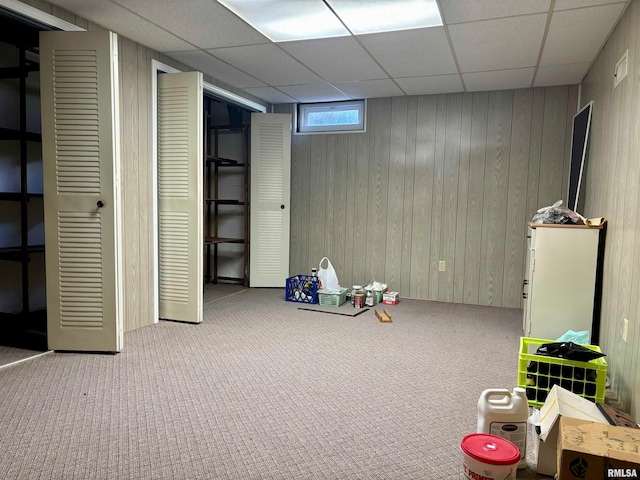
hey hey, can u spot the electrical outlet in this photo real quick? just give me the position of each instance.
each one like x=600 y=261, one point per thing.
x=625 y=329
x=442 y=266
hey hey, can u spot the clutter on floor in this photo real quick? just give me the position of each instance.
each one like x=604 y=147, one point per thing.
x=383 y=316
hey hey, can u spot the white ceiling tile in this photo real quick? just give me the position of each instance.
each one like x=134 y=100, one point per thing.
x=205 y=23
x=205 y=63
x=335 y=59
x=457 y=11
x=267 y=63
x=369 y=88
x=499 y=79
x=411 y=53
x=498 y=44
x=431 y=85
x=569 y=74
x=568 y=4
x=566 y=40
x=270 y=95
x=320 y=92
x=125 y=23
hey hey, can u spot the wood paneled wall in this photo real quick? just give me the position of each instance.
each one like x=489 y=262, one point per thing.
x=611 y=188
x=451 y=178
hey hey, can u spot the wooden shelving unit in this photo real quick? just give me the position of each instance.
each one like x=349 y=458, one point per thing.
x=214 y=166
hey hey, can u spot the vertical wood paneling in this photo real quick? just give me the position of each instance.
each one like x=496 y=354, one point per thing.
x=395 y=198
x=632 y=360
x=423 y=196
x=517 y=197
x=306 y=262
x=475 y=201
x=379 y=148
x=318 y=190
x=128 y=64
x=611 y=190
x=555 y=112
x=408 y=192
x=328 y=204
x=451 y=175
x=295 y=247
x=338 y=250
x=145 y=246
x=351 y=209
x=463 y=199
x=438 y=191
x=535 y=153
x=360 y=205
x=495 y=197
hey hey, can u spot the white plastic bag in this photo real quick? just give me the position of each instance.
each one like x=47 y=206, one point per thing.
x=328 y=278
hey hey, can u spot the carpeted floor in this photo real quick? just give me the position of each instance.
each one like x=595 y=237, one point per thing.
x=263 y=390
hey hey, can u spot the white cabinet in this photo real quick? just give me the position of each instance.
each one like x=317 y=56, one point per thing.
x=559 y=289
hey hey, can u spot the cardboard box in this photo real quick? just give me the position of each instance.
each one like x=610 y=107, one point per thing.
x=390 y=298
x=597 y=451
x=560 y=403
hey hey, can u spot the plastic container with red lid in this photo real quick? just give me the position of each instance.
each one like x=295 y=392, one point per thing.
x=489 y=457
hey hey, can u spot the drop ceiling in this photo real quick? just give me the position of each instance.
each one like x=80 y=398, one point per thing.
x=482 y=45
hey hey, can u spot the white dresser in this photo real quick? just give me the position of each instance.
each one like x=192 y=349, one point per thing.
x=560 y=279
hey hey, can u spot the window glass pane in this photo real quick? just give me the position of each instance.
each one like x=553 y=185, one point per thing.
x=344 y=117
x=327 y=117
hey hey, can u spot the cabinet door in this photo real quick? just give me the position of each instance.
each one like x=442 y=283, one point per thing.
x=80 y=154
x=563 y=280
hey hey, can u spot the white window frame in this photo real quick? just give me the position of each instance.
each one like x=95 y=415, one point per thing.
x=304 y=109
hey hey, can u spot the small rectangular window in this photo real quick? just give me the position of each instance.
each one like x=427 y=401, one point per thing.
x=331 y=117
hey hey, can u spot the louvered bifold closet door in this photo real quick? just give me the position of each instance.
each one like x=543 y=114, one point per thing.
x=270 y=192
x=180 y=197
x=80 y=154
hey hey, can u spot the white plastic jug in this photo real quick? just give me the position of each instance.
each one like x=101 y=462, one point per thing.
x=505 y=413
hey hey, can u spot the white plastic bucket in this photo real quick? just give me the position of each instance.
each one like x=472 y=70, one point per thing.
x=489 y=457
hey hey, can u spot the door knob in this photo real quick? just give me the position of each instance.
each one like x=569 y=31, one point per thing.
x=100 y=204
x=282 y=207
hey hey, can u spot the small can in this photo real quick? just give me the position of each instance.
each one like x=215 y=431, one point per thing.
x=314 y=272
x=358 y=300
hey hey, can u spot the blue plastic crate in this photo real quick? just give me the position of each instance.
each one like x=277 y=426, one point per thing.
x=302 y=288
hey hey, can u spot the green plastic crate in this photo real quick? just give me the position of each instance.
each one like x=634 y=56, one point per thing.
x=538 y=373
x=332 y=299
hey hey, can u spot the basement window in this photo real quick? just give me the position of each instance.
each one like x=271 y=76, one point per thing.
x=331 y=117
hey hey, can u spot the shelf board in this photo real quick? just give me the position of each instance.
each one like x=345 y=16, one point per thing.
x=11 y=134
x=15 y=253
x=220 y=201
x=215 y=240
x=17 y=196
x=17 y=72
x=227 y=162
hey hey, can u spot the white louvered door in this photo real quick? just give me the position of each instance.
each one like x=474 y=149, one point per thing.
x=80 y=154
x=270 y=192
x=180 y=196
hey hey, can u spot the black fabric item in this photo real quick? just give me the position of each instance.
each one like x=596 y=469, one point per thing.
x=569 y=351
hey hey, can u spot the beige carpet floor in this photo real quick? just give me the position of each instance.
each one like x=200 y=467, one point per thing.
x=262 y=390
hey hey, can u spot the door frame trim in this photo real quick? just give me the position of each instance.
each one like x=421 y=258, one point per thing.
x=39 y=15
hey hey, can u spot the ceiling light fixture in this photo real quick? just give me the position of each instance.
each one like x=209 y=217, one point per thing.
x=287 y=20
x=375 y=16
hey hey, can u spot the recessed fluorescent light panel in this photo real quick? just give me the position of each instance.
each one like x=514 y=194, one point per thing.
x=376 y=16
x=287 y=20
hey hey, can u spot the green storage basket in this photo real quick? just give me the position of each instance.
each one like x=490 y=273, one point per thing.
x=332 y=299
x=538 y=373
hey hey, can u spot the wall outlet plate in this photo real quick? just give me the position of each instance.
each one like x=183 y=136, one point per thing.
x=442 y=266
